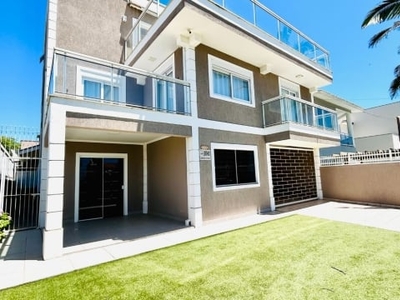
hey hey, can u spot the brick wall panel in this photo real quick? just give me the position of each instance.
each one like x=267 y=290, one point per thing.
x=293 y=175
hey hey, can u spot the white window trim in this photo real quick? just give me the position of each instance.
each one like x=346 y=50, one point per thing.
x=84 y=73
x=80 y=155
x=221 y=146
x=289 y=85
x=217 y=63
x=168 y=64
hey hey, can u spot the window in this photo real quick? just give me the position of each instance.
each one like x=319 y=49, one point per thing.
x=235 y=166
x=100 y=90
x=230 y=82
x=140 y=31
x=288 y=88
x=102 y=85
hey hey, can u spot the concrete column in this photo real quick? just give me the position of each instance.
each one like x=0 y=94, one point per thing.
x=192 y=143
x=53 y=220
x=145 y=204
x=350 y=128
x=194 y=187
x=317 y=166
x=270 y=183
x=189 y=56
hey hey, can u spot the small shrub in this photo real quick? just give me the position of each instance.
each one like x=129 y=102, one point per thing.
x=5 y=221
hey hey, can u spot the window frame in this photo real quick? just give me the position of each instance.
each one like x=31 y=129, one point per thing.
x=220 y=65
x=235 y=147
x=136 y=38
x=102 y=77
x=290 y=86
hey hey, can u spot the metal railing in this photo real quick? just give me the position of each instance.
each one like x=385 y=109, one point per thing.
x=20 y=193
x=368 y=157
x=140 y=28
x=90 y=79
x=285 y=109
x=251 y=11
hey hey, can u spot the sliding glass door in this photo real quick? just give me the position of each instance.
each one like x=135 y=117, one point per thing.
x=101 y=187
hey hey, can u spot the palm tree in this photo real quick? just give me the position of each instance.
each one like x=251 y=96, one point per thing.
x=385 y=11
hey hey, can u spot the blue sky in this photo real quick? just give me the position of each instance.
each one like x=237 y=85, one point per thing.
x=361 y=75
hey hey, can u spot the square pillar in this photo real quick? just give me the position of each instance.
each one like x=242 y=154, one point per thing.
x=270 y=183
x=53 y=190
x=194 y=187
x=192 y=143
x=317 y=166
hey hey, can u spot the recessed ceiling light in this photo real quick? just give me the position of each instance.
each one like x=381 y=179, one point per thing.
x=152 y=58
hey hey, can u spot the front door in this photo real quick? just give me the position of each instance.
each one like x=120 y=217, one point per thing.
x=101 y=187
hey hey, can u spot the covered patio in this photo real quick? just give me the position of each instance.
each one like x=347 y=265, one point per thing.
x=104 y=232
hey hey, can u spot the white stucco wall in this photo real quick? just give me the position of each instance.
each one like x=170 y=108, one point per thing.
x=376 y=121
x=378 y=142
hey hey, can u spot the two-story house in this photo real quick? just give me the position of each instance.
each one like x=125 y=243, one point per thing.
x=196 y=110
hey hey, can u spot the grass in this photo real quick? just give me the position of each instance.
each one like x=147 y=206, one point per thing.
x=296 y=257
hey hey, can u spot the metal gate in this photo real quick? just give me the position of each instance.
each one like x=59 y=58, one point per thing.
x=20 y=175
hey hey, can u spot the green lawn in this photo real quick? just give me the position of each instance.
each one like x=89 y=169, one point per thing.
x=292 y=258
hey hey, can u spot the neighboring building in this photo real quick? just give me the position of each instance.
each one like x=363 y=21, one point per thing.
x=190 y=111
x=377 y=128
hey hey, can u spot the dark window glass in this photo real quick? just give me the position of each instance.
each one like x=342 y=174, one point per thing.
x=225 y=169
x=234 y=167
x=245 y=166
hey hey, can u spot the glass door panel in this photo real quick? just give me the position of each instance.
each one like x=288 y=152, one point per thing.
x=91 y=188
x=113 y=186
x=100 y=188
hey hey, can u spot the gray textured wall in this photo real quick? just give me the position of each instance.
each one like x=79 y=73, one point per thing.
x=224 y=204
x=167 y=178
x=95 y=27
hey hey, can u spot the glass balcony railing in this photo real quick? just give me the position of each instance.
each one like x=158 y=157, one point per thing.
x=89 y=79
x=140 y=28
x=285 y=109
x=252 y=11
x=257 y=14
x=346 y=140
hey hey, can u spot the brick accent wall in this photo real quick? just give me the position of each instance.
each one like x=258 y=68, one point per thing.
x=293 y=175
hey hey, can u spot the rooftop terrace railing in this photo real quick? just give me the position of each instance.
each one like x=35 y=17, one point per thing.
x=284 y=109
x=252 y=11
x=259 y=15
x=89 y=79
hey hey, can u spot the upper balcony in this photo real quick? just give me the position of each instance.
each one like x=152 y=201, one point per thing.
x=309 y=123
x=223 y=24
x=79 y=77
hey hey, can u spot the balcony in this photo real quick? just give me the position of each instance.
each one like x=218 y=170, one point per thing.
x=299 y=123
x=284 y=109
x=93 y=80
x=257 y=14
x=346 y=140
x=248 y=14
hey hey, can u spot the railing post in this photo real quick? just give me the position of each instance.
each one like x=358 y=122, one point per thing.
x=279 y=29
x=313 y=117
x=390 y=155
x=254 y=14
x=64 y=74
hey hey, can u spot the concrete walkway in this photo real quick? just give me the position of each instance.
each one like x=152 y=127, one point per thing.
x=21 y=262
